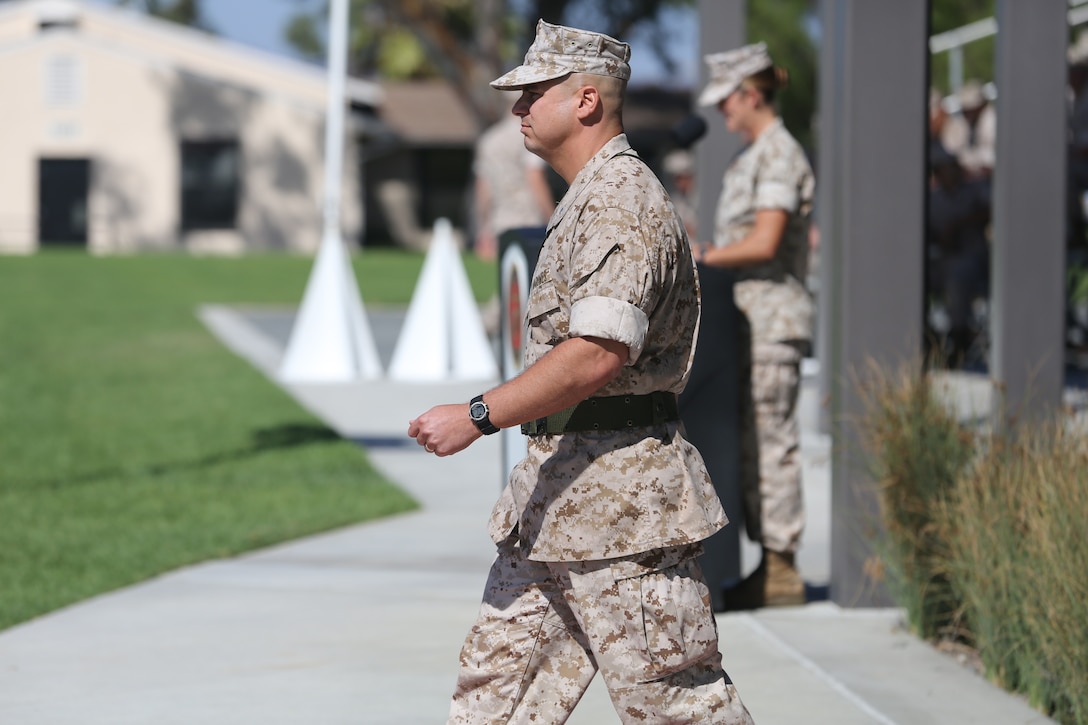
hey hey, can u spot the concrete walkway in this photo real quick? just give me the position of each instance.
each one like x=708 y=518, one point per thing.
x=364 y=624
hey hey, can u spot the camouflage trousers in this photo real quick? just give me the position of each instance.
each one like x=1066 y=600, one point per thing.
x=770 y=459
x=544 y=629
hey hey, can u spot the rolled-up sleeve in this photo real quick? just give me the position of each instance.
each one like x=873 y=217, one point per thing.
x=778 y=186
x=610 y=319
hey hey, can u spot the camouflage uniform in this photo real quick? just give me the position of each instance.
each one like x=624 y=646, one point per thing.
x=615 y=265
x=973 y=146
x=545 y=628
x=501 y=162
x=595 y=526
x=598 y=532
x=777 y=311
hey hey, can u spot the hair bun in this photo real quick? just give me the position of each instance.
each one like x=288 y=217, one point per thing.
x=781 y=77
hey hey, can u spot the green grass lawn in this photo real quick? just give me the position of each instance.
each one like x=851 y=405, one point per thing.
x=132 y=442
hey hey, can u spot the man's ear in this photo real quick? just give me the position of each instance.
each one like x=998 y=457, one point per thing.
x=589 y=101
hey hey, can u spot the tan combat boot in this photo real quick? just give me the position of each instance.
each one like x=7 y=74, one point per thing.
x=774 y=583
x=784 y=586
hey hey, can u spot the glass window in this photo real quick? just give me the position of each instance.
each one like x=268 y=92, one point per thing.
x=210 y=184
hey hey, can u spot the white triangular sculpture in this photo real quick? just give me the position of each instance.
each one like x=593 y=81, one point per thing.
x=443 y=337
x=331 y=340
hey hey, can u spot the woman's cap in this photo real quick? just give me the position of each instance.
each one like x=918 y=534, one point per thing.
x=558 y=51
x=727 y=70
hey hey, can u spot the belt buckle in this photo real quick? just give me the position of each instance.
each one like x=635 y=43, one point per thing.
x=658 y=413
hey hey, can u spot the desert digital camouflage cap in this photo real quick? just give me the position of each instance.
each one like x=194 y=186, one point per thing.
x=728 y=69
x=1078 y=51
x=559 y=50
x=971 y=96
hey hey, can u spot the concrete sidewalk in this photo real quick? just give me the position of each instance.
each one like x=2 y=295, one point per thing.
x=364 y=624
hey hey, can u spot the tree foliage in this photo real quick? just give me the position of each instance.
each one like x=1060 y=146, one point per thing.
x=782 y=25
x=978 y=57
x=183 y=12
x=618 y=18
x=466 y=42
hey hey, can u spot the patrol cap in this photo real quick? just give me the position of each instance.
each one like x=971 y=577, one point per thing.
x=559 y=50
x=1077 y=54
x=727 y=70
x=970 y=95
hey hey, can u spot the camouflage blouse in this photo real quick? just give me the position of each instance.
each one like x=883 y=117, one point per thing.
x=615 y=264
x=771 y=173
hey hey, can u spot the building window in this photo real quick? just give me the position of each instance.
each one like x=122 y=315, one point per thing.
x=210 y=185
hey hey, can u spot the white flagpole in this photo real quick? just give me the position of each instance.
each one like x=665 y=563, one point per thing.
x=331 y=340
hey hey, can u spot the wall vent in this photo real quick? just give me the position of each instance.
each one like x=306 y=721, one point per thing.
x=63 y=80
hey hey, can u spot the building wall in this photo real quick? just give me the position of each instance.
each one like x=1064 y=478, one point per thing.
x=134 y=172
x=127 y=112
x=22 y=127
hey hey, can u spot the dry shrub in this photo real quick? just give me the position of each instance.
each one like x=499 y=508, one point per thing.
x=916 y=450
x=1019 y=561
x=984 y=537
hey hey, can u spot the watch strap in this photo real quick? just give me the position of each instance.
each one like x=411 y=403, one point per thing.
x=484 y=424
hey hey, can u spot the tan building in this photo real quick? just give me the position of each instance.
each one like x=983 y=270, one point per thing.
x=420 y=169
x=120 y=132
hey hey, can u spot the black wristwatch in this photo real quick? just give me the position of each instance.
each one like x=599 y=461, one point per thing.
x=480 y=415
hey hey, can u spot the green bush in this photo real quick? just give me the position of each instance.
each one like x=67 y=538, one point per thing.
x=984 y=539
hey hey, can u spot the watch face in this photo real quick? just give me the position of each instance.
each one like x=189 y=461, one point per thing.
x=477 y=411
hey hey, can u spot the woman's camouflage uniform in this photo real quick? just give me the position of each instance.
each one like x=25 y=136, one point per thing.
x=777 y=310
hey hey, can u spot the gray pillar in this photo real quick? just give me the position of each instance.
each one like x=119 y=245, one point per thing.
x=1027 y=351
x=874 y=196
x=828 y=165
x=721 y=27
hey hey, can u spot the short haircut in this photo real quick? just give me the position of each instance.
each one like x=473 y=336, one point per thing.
x=612 y=90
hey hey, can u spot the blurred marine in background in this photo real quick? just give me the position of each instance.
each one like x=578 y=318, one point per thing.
x=762 y=232
x=512 y=189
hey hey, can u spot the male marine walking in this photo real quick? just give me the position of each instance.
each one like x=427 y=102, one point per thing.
x=598 y=529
